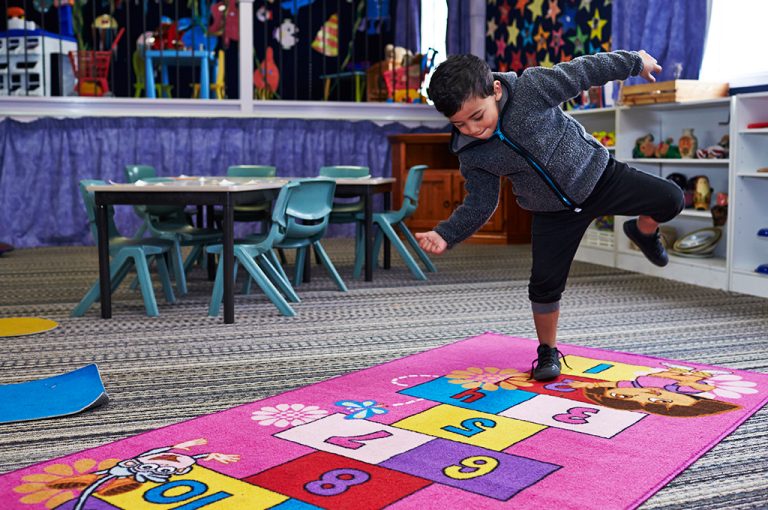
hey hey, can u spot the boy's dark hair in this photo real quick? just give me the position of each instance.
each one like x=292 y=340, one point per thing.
x=456 y=80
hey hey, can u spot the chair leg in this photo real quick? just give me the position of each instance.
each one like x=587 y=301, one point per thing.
x=415 y=245
x=177 y=264
x=387 y=229
x=117 y=270
x=165 y=278
x=276 y=264
x=283 y=260
x=270 y=290
x=140 y=233
x=118 y=278
x=377 y=242
x=145 y=282
x=359 y=250
x=217 y=293
x=298 y=273
x=192 y=257
x=329 y=266
x=280 y=281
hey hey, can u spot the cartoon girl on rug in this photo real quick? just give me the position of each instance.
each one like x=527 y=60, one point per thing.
x=675 y=391
x=156 y=465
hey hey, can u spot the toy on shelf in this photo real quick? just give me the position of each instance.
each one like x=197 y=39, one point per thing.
x=607 y=138
x=719 y=151
x=16 y=19
x=762 y=268
x=688 y=144
x=667 y=150
x=91 y=68
x=644 y=147
x=403 y=73
x=702 y=192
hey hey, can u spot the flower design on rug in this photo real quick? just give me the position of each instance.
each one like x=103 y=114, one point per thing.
x=489 y=378
x=53 y=486
x=361 y=410
x=283 y=415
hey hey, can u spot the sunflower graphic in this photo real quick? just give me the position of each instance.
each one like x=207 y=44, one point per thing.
x=60 y=483
x=489 y=378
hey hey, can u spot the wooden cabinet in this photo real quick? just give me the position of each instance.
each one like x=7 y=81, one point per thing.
x=442 y=190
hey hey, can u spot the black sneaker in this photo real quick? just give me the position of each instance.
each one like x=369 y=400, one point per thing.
x=650 y=245
x=548 y=364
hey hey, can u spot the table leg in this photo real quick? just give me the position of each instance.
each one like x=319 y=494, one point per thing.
x=228 y=254
x=387 y=244
x=368 y=232
x=211 y=257
x=149 y=77
x=105 y=285
x=205 y=80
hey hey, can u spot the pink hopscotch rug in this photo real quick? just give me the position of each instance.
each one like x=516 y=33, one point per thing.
x=460 y=426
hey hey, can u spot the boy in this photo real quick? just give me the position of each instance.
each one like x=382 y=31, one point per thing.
x=510 y=126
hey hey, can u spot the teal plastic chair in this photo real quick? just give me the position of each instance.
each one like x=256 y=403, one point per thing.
x=387 y=221
x=258 y=259
x=308 y=215
x=256 y=212
x=172 y=223
x=127 y=253
x=345 y=211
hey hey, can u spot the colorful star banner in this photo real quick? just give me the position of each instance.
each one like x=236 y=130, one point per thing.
x=525 y=33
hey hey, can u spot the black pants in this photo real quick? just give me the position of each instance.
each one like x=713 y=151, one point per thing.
x=555 y=236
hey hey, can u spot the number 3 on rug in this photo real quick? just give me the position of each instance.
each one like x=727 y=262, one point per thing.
x=471 y=426
x=471 y=467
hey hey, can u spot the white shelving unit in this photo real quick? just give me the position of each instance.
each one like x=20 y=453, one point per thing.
x=597 y=246
x=740 y=250
x=749 y=197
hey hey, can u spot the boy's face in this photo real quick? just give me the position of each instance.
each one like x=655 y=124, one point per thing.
x=478 y=116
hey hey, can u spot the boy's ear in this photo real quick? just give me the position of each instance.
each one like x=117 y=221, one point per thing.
x=497 y=90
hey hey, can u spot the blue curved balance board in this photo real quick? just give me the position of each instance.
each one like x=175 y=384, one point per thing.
x=60 y=395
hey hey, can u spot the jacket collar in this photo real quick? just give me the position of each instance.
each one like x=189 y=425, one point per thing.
x=460 y=142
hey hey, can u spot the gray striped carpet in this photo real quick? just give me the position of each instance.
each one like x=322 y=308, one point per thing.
x=183 y=364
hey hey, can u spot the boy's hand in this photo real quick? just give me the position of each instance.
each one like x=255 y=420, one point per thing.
x=431 y=242
x=649 y=66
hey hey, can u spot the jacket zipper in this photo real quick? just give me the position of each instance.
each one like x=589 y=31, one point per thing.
x=548 y=180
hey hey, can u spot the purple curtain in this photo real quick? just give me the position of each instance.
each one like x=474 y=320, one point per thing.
x=457 y=38
x=41 y=162
x=672 y=31
x=408 y=25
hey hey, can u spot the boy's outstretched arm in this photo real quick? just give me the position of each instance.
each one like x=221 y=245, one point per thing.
x=555 y=85
x=479 y=205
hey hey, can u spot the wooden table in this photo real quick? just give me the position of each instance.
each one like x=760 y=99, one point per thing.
x=225 y=192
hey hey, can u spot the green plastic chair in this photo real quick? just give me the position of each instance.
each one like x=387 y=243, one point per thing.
x=308 y=215
x=127 y=253
x=258 y=259
x=387 y=221
x=172 y=223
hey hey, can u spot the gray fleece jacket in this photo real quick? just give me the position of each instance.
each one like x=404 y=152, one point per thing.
x=552 y=162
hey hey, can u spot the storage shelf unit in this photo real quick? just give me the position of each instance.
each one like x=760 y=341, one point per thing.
x=740 y=250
